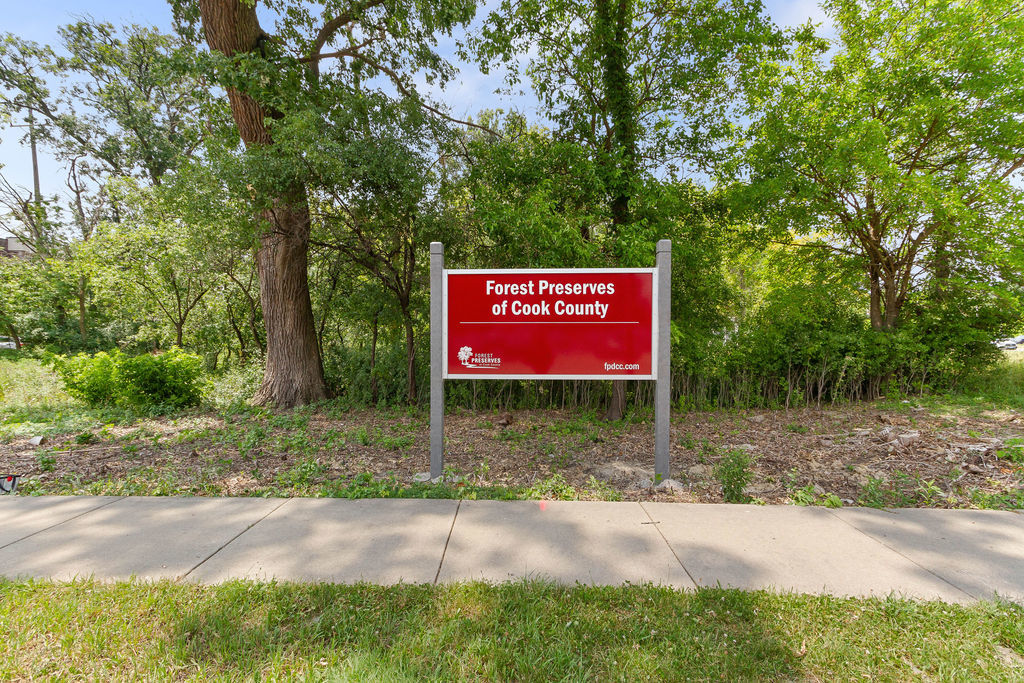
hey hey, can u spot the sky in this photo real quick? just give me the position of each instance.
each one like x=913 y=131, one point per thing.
x=470 y=92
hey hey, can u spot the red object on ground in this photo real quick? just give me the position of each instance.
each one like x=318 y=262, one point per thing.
x=556 y=324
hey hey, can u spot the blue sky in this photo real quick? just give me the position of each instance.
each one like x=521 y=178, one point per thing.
x=470 y=92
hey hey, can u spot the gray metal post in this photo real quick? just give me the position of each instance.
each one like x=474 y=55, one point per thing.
x=662 y=394
x=436 y=359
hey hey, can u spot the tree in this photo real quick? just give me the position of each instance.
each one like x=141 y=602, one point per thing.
x=126 y=104
x=272 y=80
x=645 y=85
x=899 y=147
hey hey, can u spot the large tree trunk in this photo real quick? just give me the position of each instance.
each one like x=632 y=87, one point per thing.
x=294 y=372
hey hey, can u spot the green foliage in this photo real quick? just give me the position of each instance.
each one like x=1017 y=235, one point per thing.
x=47 y=460
x=1013 y=450
x=172 y=379
x=554 y=487
x=733 y=473
x=901 y=490
x=807 y=496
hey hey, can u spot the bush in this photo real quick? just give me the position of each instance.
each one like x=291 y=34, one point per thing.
x=733 y=472
x=171 y=379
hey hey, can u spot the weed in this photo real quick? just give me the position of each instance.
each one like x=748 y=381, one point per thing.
x=597 y=489
x=513 y=435
x=687 y=441
x=396 y=443
x=361 y=436
x=797 y=428
x=874 y=494
x=807 y=496
x=1009 y=500
x=47 y=460
x=733 y=472
x=85 y=438
x=554 y=487
x=1013 y=451
x=803 y=496
x=302 y=475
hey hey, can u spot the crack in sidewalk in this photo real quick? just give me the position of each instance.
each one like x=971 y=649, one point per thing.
x=446 y=541
x=908 y=559
x=63 y=521
x=672 y=550
x=231 y=540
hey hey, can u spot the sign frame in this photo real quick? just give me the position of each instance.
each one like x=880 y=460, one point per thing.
x=660 y=356
x=653 y=272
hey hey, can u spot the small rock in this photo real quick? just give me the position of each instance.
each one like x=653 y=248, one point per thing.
x=756 y=418
x=698 y=470
x=758 y=489
x=644 y=483
x=671 y=486
x=975 y=469
x=436 y=480
x=421 y=477
x=908 y=438
x=505 y=420
x=37 y=441
x=861 y=432
x=818 y=491
x=744 y=447
x=828 y=443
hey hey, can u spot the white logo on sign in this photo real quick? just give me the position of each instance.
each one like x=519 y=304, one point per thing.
x=479 y=360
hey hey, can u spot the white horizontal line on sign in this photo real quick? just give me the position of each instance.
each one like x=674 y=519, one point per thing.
x=488 y=376
x=541 y=271
x=548 y=322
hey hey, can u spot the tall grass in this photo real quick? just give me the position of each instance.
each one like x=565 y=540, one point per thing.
x=26 y=382
x=1001 y=384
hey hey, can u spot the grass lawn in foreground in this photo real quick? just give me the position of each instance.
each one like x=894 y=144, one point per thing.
x=472 y=631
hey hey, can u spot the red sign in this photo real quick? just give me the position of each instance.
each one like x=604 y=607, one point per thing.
x=558 y=324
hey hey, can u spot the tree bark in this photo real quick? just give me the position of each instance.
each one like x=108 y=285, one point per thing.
x=294 y=370
x=410 y=357
x=83 y=330
x=373 y=359
x=875 y=284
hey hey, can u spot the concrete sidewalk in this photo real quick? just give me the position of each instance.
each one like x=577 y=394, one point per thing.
x=952 y=555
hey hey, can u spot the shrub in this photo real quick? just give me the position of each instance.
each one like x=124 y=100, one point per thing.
x=170 y=379
x=733 y=471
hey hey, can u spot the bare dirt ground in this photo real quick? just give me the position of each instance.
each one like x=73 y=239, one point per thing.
x=908 y=455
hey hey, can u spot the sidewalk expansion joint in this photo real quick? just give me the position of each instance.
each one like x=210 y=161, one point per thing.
x=447 y=541
x=908 y=559
x=669 y=545
x=231 y=540
x=63 y=521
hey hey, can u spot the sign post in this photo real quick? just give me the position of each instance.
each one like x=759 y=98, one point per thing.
x=662 y=393
x=436 y=360
x=584 y=323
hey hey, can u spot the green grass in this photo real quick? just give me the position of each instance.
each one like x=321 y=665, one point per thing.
x=27 y=383
x=528 y=631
